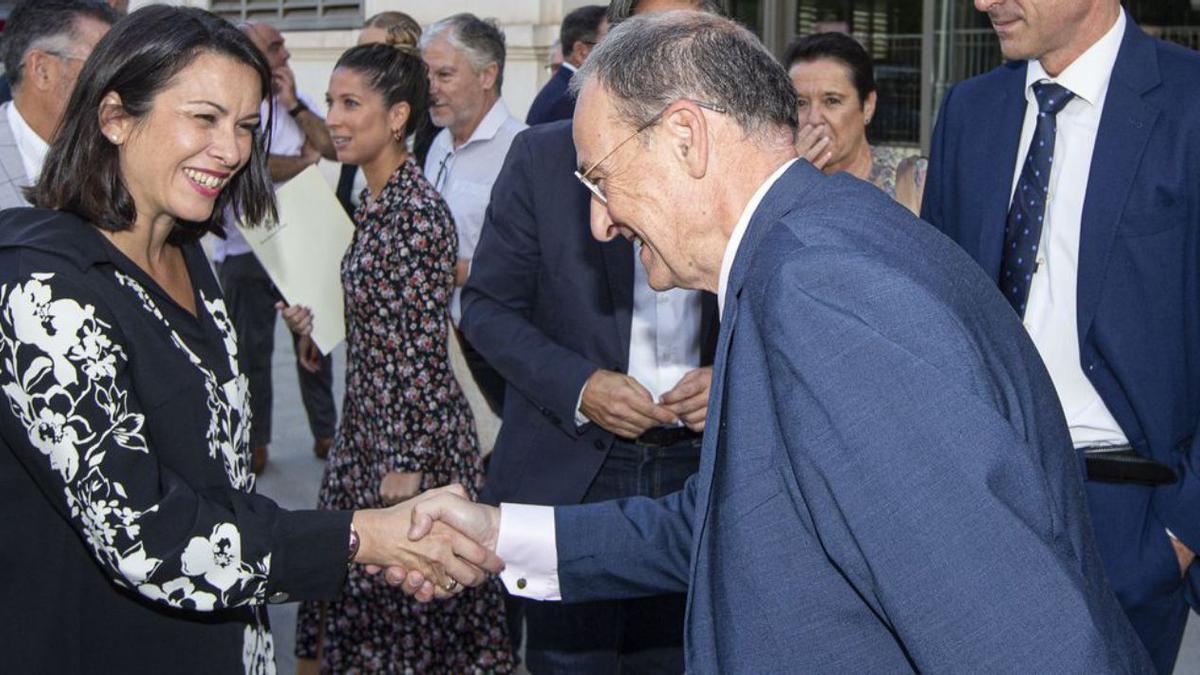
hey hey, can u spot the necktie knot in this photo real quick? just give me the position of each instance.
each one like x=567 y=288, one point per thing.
x=1051 y=97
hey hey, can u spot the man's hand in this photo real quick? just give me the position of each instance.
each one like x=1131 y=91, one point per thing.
x=307 y=354
x=689 y=399
x=621 y=405
x=813 y=143
x=442 y=557
x=436 y=509
x=398 y=486
x=297 y=317
x=283 y=85
x=1184 y=554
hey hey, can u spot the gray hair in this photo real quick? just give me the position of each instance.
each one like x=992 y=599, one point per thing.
x=650 y=61
x=619 y=10
x=46 y=25
x=480 y=39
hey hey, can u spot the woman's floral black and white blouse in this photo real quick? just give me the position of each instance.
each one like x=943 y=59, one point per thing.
x=132 y=537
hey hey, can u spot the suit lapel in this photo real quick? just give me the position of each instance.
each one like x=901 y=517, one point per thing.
x=1000 y=152
x=785 y=195
x=618 y=266
x=1125 y=127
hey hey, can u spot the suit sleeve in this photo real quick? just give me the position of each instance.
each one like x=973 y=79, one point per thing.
x=73 y=420
x=626 y=548
x=936 y=508
x=499 y=297
x=936 y=174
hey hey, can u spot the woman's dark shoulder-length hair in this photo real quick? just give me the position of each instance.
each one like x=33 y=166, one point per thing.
x=839 y=47
x=137 y=59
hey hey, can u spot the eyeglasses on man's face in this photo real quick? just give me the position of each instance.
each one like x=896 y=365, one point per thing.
x=582 y=175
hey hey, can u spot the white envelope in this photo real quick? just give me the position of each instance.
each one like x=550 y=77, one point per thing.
x=303 y=252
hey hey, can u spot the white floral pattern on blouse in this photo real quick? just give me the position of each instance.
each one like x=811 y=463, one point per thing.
x=67 y=395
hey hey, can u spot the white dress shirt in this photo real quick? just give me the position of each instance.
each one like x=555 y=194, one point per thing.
x=528 y=542
x=1050 y=315
x=464 y=177
x=664 y=337
x=31 y=146
x=287 y=140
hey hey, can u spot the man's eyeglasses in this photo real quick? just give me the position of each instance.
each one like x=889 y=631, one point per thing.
x=595 y=189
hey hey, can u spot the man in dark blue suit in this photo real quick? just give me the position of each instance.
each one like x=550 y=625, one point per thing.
x=887 y=483
x=1104 y=122
x=581 y=30
x=558 y=315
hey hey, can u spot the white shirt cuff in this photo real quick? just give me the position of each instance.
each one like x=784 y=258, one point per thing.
x=528 y=547
x=580 y=420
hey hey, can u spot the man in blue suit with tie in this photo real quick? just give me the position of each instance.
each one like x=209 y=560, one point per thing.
x=886 y=481
x=1072 y=175
x=581 y=30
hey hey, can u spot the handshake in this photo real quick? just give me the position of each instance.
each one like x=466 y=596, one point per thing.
x=433 y=545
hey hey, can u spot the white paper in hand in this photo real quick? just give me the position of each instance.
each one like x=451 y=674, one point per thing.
x=303 y=252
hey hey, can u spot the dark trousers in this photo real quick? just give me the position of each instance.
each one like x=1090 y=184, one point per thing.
x=644 y=635
x=250 y=298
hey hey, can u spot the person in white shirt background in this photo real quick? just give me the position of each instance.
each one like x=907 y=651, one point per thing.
x=45 y=45
x=298 y=140
x=465 y=56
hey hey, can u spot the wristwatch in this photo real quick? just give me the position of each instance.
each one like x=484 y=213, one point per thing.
x=297 y=109
x=353 y=544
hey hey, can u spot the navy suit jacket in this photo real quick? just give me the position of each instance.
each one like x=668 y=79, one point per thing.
x=1139 y=263
x=547 y=305
x=554 y=102
x=886 y=483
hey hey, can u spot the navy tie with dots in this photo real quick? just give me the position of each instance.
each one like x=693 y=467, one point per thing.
x=1023 y=230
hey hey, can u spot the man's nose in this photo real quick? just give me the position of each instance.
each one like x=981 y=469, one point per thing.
x=603 y=228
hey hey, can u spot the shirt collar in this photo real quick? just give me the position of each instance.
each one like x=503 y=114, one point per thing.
x=489 y=126
x=569 y=67
x=31 y=146
x=739 y=231
x=1087 y=77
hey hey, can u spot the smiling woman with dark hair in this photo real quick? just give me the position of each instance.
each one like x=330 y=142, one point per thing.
x=133 y=540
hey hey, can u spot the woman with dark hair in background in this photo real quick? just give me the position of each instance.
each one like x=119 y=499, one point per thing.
x=133 y=541
x=835 y=80
x=405 y=425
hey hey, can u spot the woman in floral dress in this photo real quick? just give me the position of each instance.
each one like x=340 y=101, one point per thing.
x=406 y=425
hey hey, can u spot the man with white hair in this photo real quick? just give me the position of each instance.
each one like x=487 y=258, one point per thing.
x=465 y=56
x=886 y=484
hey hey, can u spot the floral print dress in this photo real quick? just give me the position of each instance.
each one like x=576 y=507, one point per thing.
x=403 y=411
x=132 y=539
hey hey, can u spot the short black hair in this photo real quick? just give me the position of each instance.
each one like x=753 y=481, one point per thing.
x=581 y=25
x=841 y=48
x=33 y=21
x=139 y=58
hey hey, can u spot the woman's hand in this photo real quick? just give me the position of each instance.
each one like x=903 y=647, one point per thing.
x=398 y=486
x=441 y=562
x=307 y=354
x=299 y=319
x=813 y=143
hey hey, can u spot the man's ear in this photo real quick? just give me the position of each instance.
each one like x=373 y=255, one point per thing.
x=487 y=77
x=40 y=69
x=688 y=134
x=115 y=123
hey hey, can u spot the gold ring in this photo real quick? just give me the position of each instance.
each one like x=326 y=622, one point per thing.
x=451 y=585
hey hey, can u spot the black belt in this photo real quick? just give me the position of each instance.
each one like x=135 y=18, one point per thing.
x=661 y=437
x=1122 y=464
